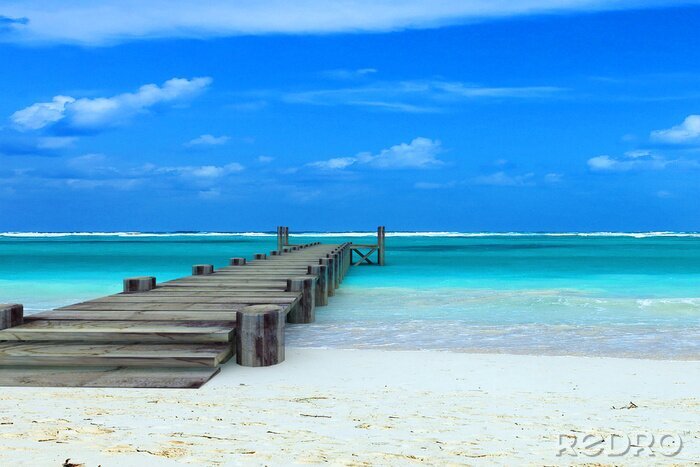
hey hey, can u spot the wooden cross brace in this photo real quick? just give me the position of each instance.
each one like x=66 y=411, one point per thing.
x=364 y=257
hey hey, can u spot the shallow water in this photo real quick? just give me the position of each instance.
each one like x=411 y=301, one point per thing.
x=632 y=295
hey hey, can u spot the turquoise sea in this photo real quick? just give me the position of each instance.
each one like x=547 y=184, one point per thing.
x=632 y=295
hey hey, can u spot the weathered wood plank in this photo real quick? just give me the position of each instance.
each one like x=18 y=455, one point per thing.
x=229 y=304
x=107 y=377
x=120 y=331
x=136 y=355
x=131 y=315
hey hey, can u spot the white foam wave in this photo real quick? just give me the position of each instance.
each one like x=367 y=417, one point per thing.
x=350 y=234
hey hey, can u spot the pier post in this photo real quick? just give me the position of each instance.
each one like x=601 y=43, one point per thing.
x=275 y=252
x=305 y=310
x=260 y=256
x=380 y=245
x=336 y=269
x=202 y=269
x=11 y=314
x=139 y=284
x=238 y=261
x=280 y=238
x=321 y=271
x=331 y=274
x=286 y=236
x=260 y=335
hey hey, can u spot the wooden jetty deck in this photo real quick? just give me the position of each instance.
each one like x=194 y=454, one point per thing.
x=174 y=334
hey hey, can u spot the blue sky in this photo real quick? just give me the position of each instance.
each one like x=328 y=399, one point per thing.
x=532 y=115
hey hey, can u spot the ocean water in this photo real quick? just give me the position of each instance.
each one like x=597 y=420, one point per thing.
x=628 y=295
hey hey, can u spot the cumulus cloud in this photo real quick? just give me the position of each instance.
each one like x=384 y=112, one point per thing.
x=94 y=114
x=41 y=114
x=112 y=21
x=420 y=153
x=686 y=132
x=209 y=140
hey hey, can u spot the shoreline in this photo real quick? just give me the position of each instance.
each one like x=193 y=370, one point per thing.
x=359 y=407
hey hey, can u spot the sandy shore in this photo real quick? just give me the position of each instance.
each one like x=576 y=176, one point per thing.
x=362 y=407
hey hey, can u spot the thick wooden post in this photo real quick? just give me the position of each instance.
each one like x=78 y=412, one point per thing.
x=260 y=335
x=305 y=310
x=238 y=262
x=286 y=236
x=328 y=261
x=11 y=314
x=336 y=269
x=320 y=271
x=202 y=269
x=275 y=252
x=280 y=238
x=380 y=245
x=139 y=284
x=260 y=256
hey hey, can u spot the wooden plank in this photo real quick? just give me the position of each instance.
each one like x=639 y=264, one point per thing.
x=131 y=315
x=184 y=297
x=120 y=331
x=207 y=292
x=231 y=304
x=134 y=355
x=107 y=377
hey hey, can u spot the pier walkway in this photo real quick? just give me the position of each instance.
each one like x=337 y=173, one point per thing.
x=174 y=334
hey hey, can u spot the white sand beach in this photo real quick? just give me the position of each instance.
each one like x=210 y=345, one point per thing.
x=366 y=407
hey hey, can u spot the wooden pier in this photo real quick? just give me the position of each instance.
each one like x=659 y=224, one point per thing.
x=176 y=334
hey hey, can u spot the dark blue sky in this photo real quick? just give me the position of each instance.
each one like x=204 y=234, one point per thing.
x=580 y=120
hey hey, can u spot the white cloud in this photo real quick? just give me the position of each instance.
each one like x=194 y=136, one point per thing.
x=433 y=185
x=349 y=74
x=335 y=163
x=91 y=114
x=209 y=140
x=415 y=96
x=41 y=114
x=634 y=160
x=420 y=153
x=204 y=171
x=111 y=21
x=553 y=177
x=504 y=179
x=265 y=159
x=686 y=132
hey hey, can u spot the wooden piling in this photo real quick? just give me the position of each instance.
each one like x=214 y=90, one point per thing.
x=280 y=238
x=238 y=261
x=260 y=335
x=305 y=310
x=336 y=269
x=321 y=272
x=11 y=314
x=260 y=256
x=331 y=274
x=202 y=269
x=380 y=245
x=139 y=284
